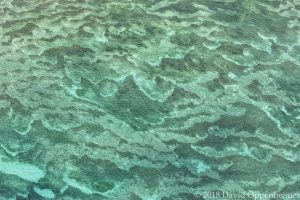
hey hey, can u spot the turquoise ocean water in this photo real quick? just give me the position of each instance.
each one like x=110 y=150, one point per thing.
x=149 y=99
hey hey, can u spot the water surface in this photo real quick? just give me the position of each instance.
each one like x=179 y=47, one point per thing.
x=148 y=99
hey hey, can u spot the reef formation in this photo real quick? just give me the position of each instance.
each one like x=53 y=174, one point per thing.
x=148 y=99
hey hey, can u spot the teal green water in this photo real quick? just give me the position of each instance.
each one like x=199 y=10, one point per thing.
x=149 y=99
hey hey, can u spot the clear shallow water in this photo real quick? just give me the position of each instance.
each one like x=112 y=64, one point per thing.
x=148 y=99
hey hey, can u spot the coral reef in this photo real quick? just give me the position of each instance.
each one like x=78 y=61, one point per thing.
x=148 y=99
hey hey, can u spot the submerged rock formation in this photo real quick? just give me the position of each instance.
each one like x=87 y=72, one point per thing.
x=148 y=100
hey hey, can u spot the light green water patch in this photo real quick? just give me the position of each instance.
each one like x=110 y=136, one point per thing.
x=23 y=170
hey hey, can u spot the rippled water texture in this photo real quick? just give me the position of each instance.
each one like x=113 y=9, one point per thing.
x=148 y=99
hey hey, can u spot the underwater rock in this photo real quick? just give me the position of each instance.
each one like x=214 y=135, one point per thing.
x=159 y=99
